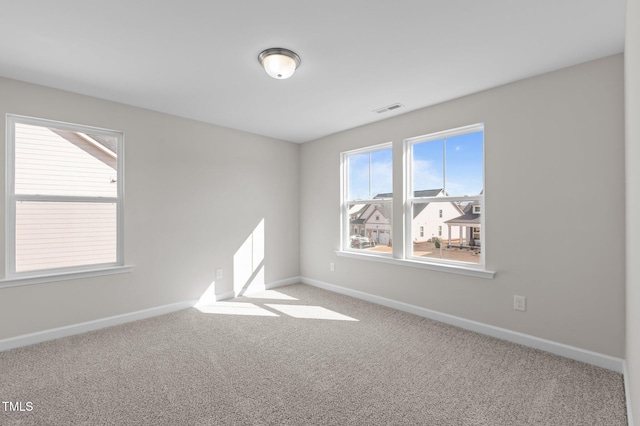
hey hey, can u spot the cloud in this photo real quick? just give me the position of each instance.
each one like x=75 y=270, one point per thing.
x=426 y=176
x=381 y=177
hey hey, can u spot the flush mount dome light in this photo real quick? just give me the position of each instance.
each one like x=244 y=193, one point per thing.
x=279 y=63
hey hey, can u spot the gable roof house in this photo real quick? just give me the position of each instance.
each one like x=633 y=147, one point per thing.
x=231 y=181
x=372 y=221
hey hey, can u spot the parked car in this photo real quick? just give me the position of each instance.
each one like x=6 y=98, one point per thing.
x=359 y=242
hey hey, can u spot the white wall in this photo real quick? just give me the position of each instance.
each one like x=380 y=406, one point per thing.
x=194 y=194
x=632 y=99
x=554 y=147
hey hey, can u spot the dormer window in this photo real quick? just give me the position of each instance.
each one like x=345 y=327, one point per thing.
x=476 y=209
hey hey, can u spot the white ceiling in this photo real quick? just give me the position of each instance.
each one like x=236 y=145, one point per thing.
x=198 y=58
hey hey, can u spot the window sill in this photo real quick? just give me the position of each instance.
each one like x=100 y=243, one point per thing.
x=454 y=269
x=64 y=276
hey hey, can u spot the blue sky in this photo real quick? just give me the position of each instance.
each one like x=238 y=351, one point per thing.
x=378 y=165
x=463 y=172
x=463 y=168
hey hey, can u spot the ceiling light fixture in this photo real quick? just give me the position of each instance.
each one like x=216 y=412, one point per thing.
x=278 y=62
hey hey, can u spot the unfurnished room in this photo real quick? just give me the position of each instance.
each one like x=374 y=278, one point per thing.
x=320 y=213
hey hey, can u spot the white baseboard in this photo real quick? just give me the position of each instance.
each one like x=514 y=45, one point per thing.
x=627 y=392
x=589 y=357
x=56 y=333
x=225 y=296
x=282 y=283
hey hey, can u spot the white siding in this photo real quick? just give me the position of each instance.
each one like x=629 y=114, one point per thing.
x=430 y=219
x=57 y=162
x=57 y=235
x=62 y=234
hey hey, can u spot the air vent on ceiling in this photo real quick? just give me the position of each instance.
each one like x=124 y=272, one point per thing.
x=388 y=108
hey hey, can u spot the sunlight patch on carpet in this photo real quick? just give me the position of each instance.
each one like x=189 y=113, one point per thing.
x=235 y=308
x=310 y=312
x=269 y=294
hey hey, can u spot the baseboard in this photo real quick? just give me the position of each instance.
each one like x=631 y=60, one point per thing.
x=225 y=296
x=56 y=333
x=589 y=357
x=627 y=392
x=282 y=283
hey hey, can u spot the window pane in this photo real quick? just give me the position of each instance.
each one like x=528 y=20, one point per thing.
x=454 y=236
x=381 y=174
x=370 y=227
x=428 y=165
x=464 y=164
x=370 y=175
x=51 y=161
x=58 y=235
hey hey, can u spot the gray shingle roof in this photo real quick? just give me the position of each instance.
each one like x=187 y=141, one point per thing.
x=468 y=218
x=419 y=193
x=108 y=142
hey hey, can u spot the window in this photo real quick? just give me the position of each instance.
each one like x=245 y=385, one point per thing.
x=64 y=197
x=442 y=225
x=367 y=200
x=445 y=190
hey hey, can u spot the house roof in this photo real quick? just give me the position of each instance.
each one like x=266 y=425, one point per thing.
x=419 y=207
x=468 y=217
x=363 y=215
x=108 y=142
x=419 y=193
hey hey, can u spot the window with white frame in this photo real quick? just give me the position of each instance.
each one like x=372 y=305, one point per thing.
x=367 y=200
x=64 y=197
x=445 y=194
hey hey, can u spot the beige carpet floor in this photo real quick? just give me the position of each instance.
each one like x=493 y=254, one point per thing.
x=300 y=356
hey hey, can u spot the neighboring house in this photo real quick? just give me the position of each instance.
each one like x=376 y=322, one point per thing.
x=374 y=220
x=468 y=225
x=429 y=218
x=60 y=163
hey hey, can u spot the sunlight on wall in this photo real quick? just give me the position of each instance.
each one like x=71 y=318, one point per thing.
x=209 y=295
x=248 y=262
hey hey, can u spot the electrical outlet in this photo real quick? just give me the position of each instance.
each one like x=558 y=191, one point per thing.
x=332 y=266
x=218 y=274
x=519 y=303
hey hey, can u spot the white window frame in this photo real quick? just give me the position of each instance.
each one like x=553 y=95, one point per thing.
x=345 y=201
x=410 y=199
x=402 y=237
x=12 y=277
